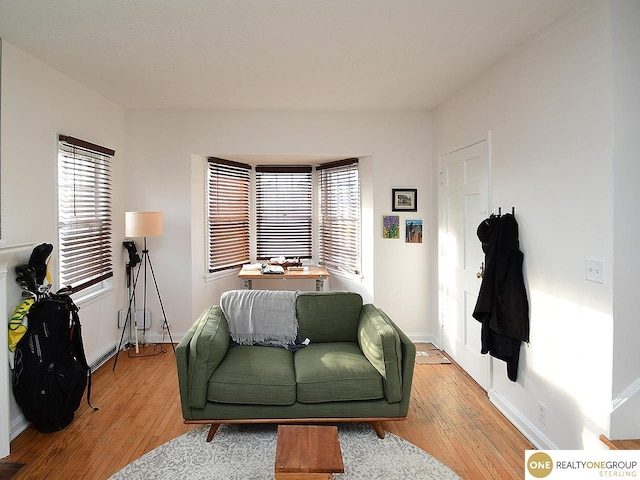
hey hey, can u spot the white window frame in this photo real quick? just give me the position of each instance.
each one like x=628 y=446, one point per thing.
x=290 y=188
x=239 y=171
x=85 y=243
x=339 y=204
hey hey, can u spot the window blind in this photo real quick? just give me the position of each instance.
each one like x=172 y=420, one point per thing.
x=228 y=216
x=84 y=213
x=339 y=228
x=284 y=211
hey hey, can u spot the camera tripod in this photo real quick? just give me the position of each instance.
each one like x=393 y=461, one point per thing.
x=146 y=261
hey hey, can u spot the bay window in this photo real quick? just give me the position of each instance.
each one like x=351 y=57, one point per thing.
x=276 y=204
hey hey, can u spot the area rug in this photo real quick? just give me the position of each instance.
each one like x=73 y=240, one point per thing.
x=247 y=452
x=428 y=354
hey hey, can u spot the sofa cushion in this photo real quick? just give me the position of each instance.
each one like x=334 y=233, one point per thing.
x=254 y=375
x=380 y=343
x=328 y=316
x=335 y=371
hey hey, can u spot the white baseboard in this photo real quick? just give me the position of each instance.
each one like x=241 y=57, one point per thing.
x=528 y=429
x=630 y=392
x=18 y=425
x=624 y=420
x=160 y=338
x=422 y=338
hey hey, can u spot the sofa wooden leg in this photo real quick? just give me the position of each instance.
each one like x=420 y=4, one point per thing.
x=377 y=426
x=212 y=431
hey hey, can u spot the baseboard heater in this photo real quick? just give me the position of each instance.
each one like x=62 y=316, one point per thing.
x=141 y=318
x=102 y=359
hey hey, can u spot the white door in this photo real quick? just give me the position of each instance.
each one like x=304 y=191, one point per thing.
x=463 y=204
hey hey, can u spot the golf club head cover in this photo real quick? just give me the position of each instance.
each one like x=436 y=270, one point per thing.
x=38 y=261
x=134 y=258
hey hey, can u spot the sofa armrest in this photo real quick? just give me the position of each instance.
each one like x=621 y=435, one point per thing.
x=408 y=365
x=199 y=354
x=380 y=342
x=182 y=363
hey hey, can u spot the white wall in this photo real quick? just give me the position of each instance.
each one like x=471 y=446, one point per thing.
x=39 y=103
x=549 y=108
x=625 y=18
x=160 y=171
x=167 y=151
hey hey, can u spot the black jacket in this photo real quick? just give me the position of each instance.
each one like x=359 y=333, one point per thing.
x=502 y=306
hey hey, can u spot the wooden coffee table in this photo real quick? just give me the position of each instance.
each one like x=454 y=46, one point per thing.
x=307 y=452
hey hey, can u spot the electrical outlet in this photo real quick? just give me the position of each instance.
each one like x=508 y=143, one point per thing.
x=141 y=318
x=542 y=413
x=594 y=270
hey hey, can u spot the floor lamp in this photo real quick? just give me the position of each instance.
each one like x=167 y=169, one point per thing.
x=143 y=224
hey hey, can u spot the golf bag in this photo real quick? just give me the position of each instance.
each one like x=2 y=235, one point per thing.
x=51 y=372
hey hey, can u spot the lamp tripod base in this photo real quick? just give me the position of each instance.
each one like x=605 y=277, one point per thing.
x=146 y=261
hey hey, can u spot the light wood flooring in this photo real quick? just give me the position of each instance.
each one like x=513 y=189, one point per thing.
x=139 y=409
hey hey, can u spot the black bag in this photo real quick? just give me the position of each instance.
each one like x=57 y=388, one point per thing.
x=51 y=372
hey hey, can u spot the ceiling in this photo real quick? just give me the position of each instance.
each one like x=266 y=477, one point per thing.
x=319 y=55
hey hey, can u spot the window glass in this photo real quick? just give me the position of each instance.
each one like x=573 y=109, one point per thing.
x=339 y=229
x=84 y=213
x=228 y=214
x=284 y=212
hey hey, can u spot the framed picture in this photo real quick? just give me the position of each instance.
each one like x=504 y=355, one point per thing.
x=404 y=199
x=390 y=226
x=413 y=231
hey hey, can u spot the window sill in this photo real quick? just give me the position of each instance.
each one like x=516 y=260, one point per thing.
x=83 y=299
x=212 y=277
x=347 y=276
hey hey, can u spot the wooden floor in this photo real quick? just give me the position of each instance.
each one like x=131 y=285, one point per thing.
x=450 y=417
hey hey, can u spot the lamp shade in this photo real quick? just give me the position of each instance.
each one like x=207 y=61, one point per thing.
x=143 y=224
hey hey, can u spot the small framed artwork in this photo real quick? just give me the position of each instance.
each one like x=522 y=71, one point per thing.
x=404 y=199
x=390 y=226
x=413 y=232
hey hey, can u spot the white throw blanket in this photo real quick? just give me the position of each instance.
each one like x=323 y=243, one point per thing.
x=261 y=316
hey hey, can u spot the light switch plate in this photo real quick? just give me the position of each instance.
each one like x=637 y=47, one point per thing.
x=594 y=270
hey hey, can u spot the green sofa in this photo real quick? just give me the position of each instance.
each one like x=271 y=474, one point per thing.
x=358 y=366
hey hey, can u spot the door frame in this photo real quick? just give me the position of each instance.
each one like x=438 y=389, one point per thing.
x=440 y=220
